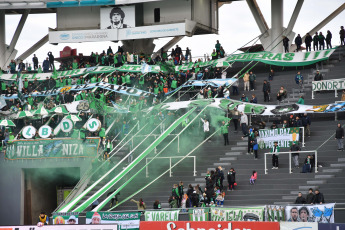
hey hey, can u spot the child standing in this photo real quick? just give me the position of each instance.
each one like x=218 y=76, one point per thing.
x=253 y=178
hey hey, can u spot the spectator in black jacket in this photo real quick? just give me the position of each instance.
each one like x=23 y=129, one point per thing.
x=329 y=39
x=298 y=42
x=286 y=44
x=310 y=197
x=266 y=88
x=308 y=40
x=231 y=178
x=339 y=136
x=190 y=190
x=295 y=148
x=300 y=199
x=318 y=198
x=318 y=76
x=306 y=124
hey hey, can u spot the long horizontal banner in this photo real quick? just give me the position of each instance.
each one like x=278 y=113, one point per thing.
x=249 y=108
x=322 y=213
x=208 y=225
x=139 y=69
x=335 y=84
x=284 y=137
x=278 y=59
x=103 y=85
x=52 y=148
x=238 y=214
x=125 y=220
x=59 y=74
x=64 y=227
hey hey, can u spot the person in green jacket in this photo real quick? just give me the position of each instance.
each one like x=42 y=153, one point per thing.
x=30 y=100
x=69 y=80
x=275 y=150
x=301 y=100
x=93 y=79
x=128 y=80
x=141 y=81
x=173 y=85
x=156 y=90
x=102 y=133
x=3 y=86
x=123 y=78
x=224 y=130
x=75 y=64
x=39 y=70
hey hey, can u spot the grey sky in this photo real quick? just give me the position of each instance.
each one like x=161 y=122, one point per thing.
x=237 y=27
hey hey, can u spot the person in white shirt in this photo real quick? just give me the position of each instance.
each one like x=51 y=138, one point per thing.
x=244 y=123
x=206 y=127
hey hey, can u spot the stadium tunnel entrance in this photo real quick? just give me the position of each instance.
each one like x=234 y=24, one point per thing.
x=45 y=188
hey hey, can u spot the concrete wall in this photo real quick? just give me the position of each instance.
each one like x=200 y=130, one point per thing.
x=170 y=11
x=12 y=184
x=78 y=18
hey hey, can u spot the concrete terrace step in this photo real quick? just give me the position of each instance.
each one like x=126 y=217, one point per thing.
x=222 y=164
x=330 y=170
x=233 y=153
x=341 y=159
x=316 y=182
x=228 y=158
x=337 y=165
x=239 y=148
x=324 y=176
x=242 y=143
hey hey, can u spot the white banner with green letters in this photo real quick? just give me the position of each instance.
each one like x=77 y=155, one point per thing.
x=335 y=84
x=284 y=137
x=161 y=215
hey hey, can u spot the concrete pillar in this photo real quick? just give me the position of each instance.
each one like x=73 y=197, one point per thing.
x=277 y=15
x=259 y=18
x=145 y=46
x=2 y=39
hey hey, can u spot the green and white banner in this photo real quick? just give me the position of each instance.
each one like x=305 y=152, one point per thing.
x=125 y=220
x=284 y=137
x=65 y=218
x=238 y=214
x=59 y=74
x=274 y=213
x=199 y=214
x=335 y=84
x=278 y=59
x=52 y=148
x=161 y=215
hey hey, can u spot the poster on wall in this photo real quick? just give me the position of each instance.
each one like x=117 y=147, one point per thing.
x=125 y=220
x=323 y=213
x=65 y=218
x=238 y=214
x=117 y=17
x=275 y=213
x=284 y=137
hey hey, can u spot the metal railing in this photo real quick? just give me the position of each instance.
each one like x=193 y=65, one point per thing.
x=279 y=153
x=157 y=135
x=170 y=163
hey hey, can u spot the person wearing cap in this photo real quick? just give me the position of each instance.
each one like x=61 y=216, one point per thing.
x=206 y=74
x=275 y=151
x=318 y=76
x=72 y=220
x=295 y=148
x=96 y=218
